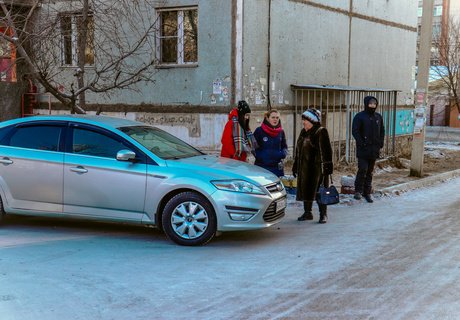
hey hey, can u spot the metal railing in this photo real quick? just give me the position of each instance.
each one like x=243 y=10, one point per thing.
x=338 y=106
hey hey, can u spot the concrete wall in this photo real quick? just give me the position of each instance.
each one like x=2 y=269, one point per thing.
x=180 y=85
x=455 y=8
x=11 y=96
x=312 y=42
x=195 y=85
x=10 y=100
x=323 y=42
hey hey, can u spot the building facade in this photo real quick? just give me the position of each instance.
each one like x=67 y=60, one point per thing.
x=212 y=53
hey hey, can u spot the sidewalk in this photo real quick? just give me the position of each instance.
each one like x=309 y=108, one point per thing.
x=391 y=177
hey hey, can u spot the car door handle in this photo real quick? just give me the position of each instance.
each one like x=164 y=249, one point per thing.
x=78 y=169
x=6 y=161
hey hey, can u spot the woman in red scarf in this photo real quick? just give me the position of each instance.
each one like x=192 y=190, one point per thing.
x=271 y=141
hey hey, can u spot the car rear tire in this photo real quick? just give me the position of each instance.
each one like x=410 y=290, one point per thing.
x=189 y=219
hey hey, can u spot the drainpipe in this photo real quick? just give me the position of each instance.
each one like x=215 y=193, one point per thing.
x=237 y=51
x=269 y=105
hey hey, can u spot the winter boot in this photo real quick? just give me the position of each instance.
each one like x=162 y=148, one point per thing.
x=368 y=198
x=322 y=213
x=307 y=215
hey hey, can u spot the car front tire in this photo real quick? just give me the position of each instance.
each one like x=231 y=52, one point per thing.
x=2 y=211
x=189 y=219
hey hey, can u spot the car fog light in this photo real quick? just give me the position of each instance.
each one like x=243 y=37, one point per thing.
x=240 y=216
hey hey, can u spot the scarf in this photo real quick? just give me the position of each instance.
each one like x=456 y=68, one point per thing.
x=271 y=130
x=244 y=141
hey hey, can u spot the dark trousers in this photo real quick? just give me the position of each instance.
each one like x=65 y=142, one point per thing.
x=307 y=207
x=363 y=181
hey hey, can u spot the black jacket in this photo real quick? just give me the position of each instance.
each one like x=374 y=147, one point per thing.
x=369 y=132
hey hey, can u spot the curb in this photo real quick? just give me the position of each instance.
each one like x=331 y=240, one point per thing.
x=423 y=182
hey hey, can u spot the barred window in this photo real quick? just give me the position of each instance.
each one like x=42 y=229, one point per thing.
x=7 y=57
x=177 y=36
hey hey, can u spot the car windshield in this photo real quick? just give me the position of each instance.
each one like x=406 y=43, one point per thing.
x=161 y=143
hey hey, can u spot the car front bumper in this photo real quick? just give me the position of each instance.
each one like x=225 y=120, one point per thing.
x=242 y=211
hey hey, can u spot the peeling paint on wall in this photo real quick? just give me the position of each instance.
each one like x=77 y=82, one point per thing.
x=190 y=121
x=255 y=85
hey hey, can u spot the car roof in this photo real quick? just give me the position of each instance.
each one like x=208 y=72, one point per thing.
x=104 y=121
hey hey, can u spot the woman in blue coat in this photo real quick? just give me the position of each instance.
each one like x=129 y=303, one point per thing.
x=272 y=146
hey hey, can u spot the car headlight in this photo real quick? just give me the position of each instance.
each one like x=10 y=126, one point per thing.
x=237 y=186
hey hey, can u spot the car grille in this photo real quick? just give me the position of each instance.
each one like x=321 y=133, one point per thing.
x=275 y=187
x=271 y=215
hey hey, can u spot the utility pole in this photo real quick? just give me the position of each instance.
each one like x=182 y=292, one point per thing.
x=424 y=55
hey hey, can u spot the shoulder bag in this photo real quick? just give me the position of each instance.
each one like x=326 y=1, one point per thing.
x=327 y=195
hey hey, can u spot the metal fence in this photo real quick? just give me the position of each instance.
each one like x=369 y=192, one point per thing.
x=338 y=105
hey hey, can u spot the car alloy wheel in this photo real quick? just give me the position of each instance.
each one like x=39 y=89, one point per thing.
x=189 y=219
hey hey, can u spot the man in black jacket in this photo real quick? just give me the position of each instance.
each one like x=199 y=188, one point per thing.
x=369 y=132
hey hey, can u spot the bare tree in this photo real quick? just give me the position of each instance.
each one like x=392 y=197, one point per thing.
x=74 y=47
x=447 y=48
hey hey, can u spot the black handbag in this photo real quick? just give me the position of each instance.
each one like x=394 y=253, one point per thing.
x=327 y=195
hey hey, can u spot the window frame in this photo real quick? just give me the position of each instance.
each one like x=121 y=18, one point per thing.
x=12 y=130
x=74 y=31
x=141 y=157
x=180 y=51
x=437 y=11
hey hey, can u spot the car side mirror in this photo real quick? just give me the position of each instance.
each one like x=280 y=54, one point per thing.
x=125 y=155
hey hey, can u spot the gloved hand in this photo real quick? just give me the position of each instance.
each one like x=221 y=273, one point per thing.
x=327 y=168
x=284 y=153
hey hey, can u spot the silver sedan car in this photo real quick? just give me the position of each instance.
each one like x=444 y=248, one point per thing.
x=113 y=169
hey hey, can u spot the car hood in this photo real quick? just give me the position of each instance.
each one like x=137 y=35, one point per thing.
x=220 y=168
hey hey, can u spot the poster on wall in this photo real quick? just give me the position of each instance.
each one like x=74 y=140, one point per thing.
x=217 y=87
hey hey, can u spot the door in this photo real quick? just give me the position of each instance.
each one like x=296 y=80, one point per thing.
x=96 y=183
x=31 y=167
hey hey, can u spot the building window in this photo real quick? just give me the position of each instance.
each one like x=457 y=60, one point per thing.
x=420 y=12
x=71 y=29
x=437 y=12
x=7 y=57
x=177 y=36
x=436 y=31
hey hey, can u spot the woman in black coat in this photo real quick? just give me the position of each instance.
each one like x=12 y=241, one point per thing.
x=312 y=163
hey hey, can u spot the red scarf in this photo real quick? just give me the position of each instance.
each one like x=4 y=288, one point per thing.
x=270 y=130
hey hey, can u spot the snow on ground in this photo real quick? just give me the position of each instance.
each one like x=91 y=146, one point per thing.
x=446 y=145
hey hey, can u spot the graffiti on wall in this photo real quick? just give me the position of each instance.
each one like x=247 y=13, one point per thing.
x=190 y=121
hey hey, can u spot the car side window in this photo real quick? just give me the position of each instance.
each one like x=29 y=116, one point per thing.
x=40 y=137
x=93 y=143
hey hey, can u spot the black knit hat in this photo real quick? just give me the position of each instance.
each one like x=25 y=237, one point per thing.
x=243 y=107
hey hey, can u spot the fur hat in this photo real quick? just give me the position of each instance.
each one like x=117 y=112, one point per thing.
x=243 y=107
x=312 y=115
